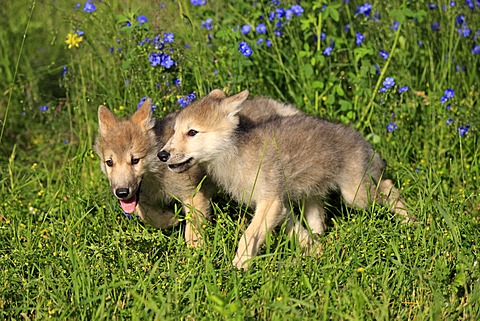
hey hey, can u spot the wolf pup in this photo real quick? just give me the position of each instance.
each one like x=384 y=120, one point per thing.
x=280 y=160
x=128 y=152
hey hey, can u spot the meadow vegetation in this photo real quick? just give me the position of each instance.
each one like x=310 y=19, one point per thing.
x=404 y=73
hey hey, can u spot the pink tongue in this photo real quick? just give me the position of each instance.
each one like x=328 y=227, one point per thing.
x=128 y=206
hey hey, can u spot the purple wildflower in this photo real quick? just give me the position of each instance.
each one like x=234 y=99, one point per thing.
x=384 y=54
x=89 y=7
x=359 y=38
x=392 y=126
x=245 y=49
x=142 y=19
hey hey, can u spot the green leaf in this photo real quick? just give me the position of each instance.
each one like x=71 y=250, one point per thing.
x=345 y=105
x=317 y=84
x=362 y=52
x=307 y=70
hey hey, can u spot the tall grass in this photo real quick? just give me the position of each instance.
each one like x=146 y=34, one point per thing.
x=68 y=252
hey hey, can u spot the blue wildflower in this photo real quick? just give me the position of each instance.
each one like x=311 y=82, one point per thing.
x=403 y=89
x=168 y=37
x=89 y=7
x=167 y=61
x=191 y=96
x=44 y=108
x=359 y=38
x=280 y=13
x=260 y=41
x=245 y=49
x=64 y=71
x=470 y=4
x=177 y=82
x=297 y=9
x=268 y=42
x=449 y=93
x=198 y=2
x=246 y=28
x=142 y=100
x=395 y=25
x=182 y=101
x=432 y=6
x=261 y=28
x=387 y=84
x=475 y=49
x=462 y=130
x=142 y=19
x=384 y=54
x=435 y=26
x=459 y=20
x=155 y=59
x=364 y=9
x=449 y=121
x=328 y=51
x=207 y=24
x=464 y=31
x=392 y=126
x=288 y=14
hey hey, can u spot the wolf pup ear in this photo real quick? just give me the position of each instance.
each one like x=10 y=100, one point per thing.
x=143 y=116
x=217 y=93
x=105 y=118
x=233 y=104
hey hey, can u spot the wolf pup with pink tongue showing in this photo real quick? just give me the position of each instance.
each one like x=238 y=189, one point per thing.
x=128 y=157
x=276 y=162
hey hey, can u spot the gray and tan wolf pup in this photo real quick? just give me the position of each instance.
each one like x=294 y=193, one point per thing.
x=282 y=160
x=128 y=157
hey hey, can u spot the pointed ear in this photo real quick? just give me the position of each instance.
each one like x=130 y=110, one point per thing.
x=106 y=119
x=143 y=116
x=217 y=93
x=233 y=104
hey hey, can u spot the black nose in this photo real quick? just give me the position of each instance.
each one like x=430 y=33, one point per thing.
x=163 y=155
x=121 y=192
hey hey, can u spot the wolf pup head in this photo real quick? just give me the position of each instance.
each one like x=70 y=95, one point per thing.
x=125 y=148
x=201 y=130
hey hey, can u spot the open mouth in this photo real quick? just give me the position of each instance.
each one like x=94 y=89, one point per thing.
x=181 y=167
x=129 y=205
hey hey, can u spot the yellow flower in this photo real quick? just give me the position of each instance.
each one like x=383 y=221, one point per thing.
x=73 y=40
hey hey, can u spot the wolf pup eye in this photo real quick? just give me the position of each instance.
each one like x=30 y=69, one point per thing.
x=192 y=132
x=109 y=162
x=135 y=160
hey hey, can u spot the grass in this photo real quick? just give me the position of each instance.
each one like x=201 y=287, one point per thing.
x=68 y=252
